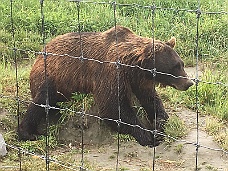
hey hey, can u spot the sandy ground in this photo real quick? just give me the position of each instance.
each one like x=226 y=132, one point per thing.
x=178 y=156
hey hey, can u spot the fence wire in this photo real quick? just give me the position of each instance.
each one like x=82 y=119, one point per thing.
x=148 y=7
x=198 y=13
x=118 y=87
x=153 y=8
x=117 y=63
x=16 y=73
x=47 y=124
x=74 y=167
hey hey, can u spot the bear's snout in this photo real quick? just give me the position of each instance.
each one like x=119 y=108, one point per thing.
x=183 y=85
x=188 y=84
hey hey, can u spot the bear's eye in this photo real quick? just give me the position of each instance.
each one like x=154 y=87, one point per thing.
x=179 y=65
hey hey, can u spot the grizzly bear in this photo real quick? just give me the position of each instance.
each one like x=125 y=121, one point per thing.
x=113 y=66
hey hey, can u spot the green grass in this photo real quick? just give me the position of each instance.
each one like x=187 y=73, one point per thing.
x=212 y=98
x=218 y=130
x=61 y=17
x=175 y=128
x=8 y=85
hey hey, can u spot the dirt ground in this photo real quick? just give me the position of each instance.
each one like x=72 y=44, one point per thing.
x=178 y=156
x=101 y=150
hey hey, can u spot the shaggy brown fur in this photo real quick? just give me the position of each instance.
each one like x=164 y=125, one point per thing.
x=67 y=75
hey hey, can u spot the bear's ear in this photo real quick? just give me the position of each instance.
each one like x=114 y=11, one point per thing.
x=171 y=42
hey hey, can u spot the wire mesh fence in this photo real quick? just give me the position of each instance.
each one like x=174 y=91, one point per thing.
x=117 y=64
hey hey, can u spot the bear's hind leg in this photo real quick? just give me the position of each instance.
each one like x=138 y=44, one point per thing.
x=28 y=128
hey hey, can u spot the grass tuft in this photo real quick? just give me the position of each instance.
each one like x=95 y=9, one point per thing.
x=175 y=128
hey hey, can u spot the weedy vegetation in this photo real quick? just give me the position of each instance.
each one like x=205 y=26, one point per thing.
x=61 y=17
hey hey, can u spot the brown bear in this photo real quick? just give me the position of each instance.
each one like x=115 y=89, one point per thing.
x=100 y=63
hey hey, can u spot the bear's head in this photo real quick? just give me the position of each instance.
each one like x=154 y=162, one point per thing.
x=168 y=64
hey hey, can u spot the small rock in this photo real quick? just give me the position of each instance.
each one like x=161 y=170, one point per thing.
x=2 y=146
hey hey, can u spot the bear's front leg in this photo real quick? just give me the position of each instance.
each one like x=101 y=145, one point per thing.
x=28 y=128
x=154 y=108
x=129 y=122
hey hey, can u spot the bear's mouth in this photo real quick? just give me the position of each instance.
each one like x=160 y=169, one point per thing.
x=183 y=87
